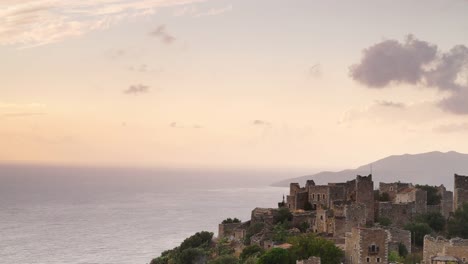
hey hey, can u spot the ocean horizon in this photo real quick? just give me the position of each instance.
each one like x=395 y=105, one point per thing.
x=119 y=216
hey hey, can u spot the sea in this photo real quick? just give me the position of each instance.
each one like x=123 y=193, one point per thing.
x=90 y=215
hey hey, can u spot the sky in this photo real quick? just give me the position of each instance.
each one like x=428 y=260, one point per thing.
x=231 y=84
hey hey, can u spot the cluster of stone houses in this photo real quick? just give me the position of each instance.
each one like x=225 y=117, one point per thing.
x=345 y=214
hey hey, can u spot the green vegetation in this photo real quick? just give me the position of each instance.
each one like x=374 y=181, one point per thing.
x=275 y=256
x=231 y=221
x=394 y=257
x=307 y=245
x=458 y=224
x=252 y=230
x=194 y=249
x=418 y=231
x=433 y=198
x=435 y=220
x=226 y=259
x=284 y=215
x=251 y=251
x=384 y=221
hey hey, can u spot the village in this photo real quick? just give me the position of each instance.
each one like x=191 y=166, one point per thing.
x=369 y=224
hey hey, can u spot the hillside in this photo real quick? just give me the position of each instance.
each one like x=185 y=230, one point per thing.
x=432 y=168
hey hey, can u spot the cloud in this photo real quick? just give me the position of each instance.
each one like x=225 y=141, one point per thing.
x=417 y=62
x=137 y=89
x=258 y=122
x=193 y=11
x=30 y=23
x=385 y=103
x=161 y=33
x=315 y=70
x=21 y=114
x=214 y=11
x=393 y=62
x=451 y=128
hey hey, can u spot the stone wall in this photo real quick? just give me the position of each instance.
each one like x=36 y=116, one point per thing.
x=439 y=246
x=399 y=214
x=460 y=194
x=311 y=260
x=392 y=188
x=319 y=196
x=397 y=236
x=227 y=230
x=263 y=215
x=366 y=245
x=365 y=195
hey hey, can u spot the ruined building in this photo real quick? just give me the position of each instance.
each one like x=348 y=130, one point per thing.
x=314 y=197
x=439 y=249
x=366 y=245
x=460 y=193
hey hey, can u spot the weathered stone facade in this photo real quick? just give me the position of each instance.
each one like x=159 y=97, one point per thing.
x=460 y=194
x=227 y=230
x=263 y=215
x=446 y=203
x=393 y=188
x=413 y=195
x=434 y=247
x=311 y=260
x=366 y=245
x=397 y=236
x=399 y=214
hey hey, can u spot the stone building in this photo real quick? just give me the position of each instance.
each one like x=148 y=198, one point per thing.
x=311 y=260
x=314 y=197
x=435 y=248
x=398 y=236
x=460 y=193
x=413 y=195
x=446 y=203
x=263 y=215
x=366 y=245
x=393 y=188
x=399 y=214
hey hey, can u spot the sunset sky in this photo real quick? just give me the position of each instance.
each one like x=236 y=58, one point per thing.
x=221 y=84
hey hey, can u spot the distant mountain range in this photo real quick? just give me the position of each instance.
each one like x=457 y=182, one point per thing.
x=433 y=168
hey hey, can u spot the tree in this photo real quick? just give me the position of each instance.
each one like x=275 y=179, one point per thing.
x=192 y=256
x=307 y=245
x=283 y=215
x=418 y=231
x=226 y=259
x=252 y=230
x=280 y=232
x=200 y=239
x=275 y=256
x=433 y=197
x=251 y=251
x=402 y=250
x=435 y=220
x=231 y=221
x=395 y=257
x=458 y=224
x=385 y=221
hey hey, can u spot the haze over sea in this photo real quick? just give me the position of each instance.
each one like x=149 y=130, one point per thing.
x=121 y=216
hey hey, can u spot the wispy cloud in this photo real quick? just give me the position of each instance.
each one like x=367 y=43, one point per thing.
x=417 y=62
x=21 y=114
x=452 y=128
x=391 y=104
x=193 y=11
x=259 y=122
x=137 y=89
x=162 y=34
x=37 y=22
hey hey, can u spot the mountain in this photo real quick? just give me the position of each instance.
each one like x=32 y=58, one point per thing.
x=433 y=168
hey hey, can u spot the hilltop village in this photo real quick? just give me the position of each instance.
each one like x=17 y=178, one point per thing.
x=353 y=222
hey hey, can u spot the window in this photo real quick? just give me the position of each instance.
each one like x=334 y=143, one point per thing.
x=321 y=217
x=318 y=197
x=373 y=249
x=367 y=259
x=378 y=259
x=323 y=196
x=391 y=189
x=313 y=196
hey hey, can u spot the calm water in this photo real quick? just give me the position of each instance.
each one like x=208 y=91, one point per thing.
x=75 y=215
